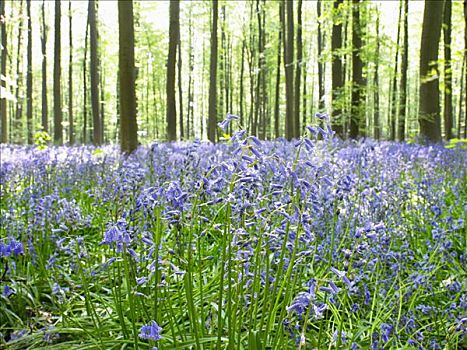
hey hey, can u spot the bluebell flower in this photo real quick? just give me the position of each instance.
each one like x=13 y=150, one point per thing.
x=151 y=331
x=386 y=331
x=225 y=123
x=7 y=291
x=335 y=337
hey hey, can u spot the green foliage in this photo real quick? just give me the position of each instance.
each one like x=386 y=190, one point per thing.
x=42 y=139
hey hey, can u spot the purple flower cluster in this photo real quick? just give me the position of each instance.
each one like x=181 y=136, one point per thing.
x=357 y=243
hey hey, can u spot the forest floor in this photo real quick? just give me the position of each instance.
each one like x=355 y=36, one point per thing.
x=247 y=244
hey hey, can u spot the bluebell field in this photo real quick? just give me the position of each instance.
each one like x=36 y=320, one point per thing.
x=246 y=244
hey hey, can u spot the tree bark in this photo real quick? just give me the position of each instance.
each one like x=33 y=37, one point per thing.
x=19 y=105
x=29 y=76
x=180 y=87
x=212 y=113
x=337 y=78
x=404 y=72
x=288 y=29
x=44 y=112
x=71 y=136
x=3 y=101
x=376 y=116
x=321 y=91
x=447 y=27
x=127 y=70
x=259 y=94
x=174 y=37
x=189 y=124
x=465 y=69
x=393 y=94
x=85 y=87
x=242 y=74
x=429 y=110
x=278 y=72
x=298 y=71
x=358 y=83
x=58 y=118
x=97 y=139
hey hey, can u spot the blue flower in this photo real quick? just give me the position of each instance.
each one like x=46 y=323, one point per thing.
x=151 y=331
x=225 y=123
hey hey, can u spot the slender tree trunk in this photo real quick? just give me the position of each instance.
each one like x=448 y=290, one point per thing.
x=258 y=93
x=127 y=75
x=429 y=111
x=3 y=101
x=404 y=72
x=465 y=69
x=95 y=106
x=298 y=71
x=58 y=118
x=85 y=86
x=393 y=94
x=251 y=58
x=70 y=79
x=447 y=27
x=174 y=34
x=102 y=100
x=278 y=71
x=212 y=114
x=29 y=76
x=376 y=116
x=289 y=69
x=44 y=112
x=180 y=88
x=242 y=74
x=321 y=91
x=304 y=95
x=337 y=78
x=19 y=103
x=189 y=131
x=459 y=118
x=357 y=73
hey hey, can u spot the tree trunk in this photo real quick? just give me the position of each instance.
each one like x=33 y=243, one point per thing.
x=259 y=76
x=71 y=136
x=298 y=71
x=191 y=58
x=180 y=87
x=429 y=111
x=29 y=76
x=97 y=140
x=242 y=73
x=393 y=94
x=85 y=87
x=459 y=119
x=278 y=71
x=44 y=112
x=404 y=72
x=3 y=101
x=289 y=69
x=321 y=91
x=19 y=105
x=127 y=70
x=447 y=27
x=174 y=34
x=465 y=70
x=58 y=118
x=212 y=113
x=357 y=107
x=376 y=116
x=337 y=78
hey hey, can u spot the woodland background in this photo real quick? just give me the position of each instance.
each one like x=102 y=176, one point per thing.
x=388 y=70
